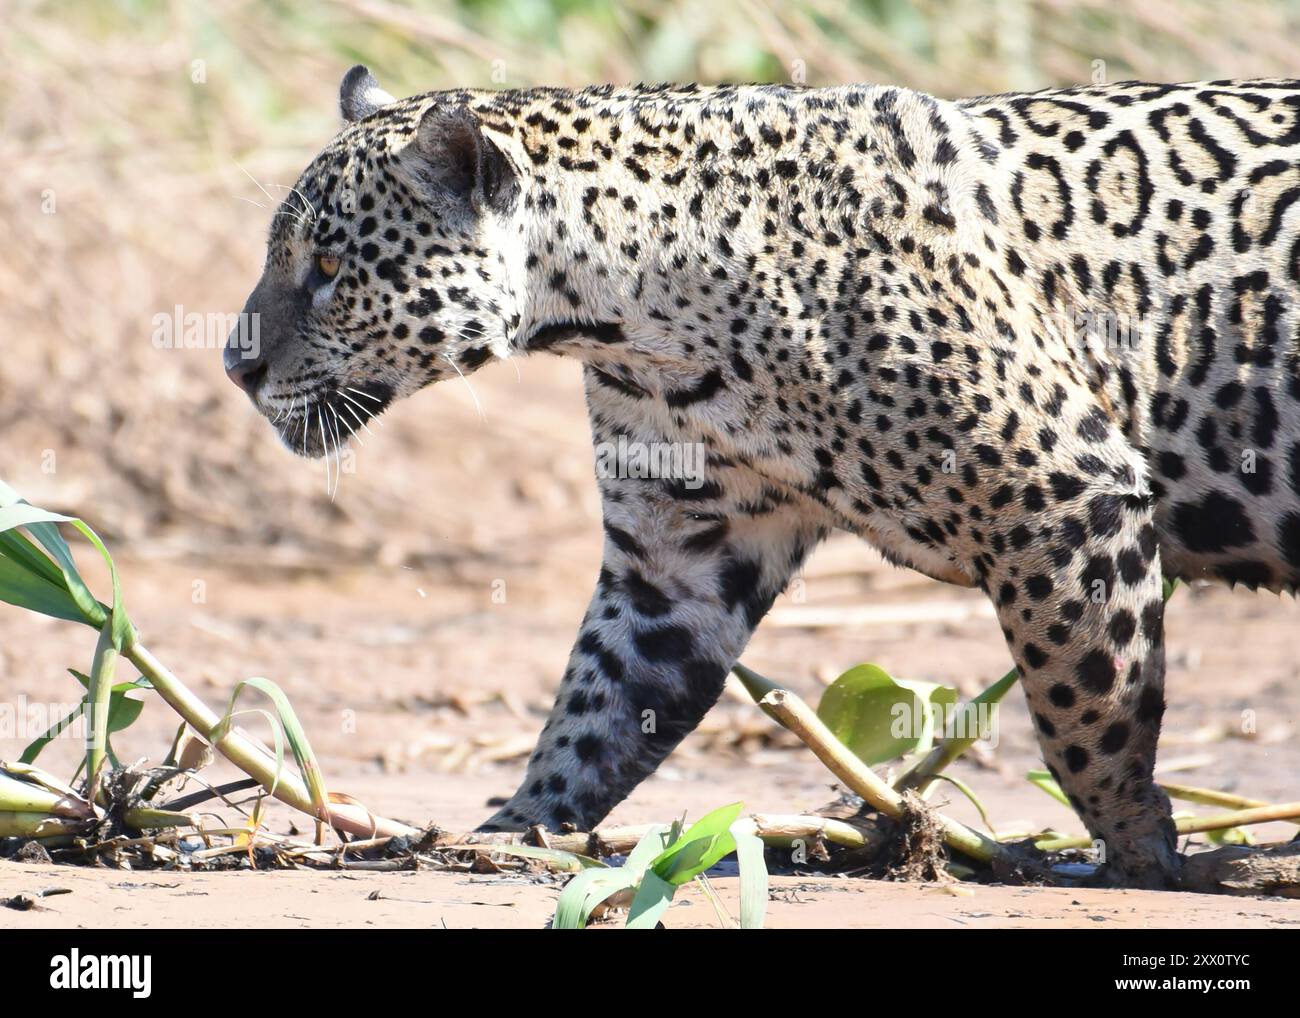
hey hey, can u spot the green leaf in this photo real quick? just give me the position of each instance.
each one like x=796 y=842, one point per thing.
x=881 y=718
x=34 y=747
x=41 y=525
x=14 y=512
x=652 y=843
x=293 y=732
x=15 y=545
x=123 y=706
x=587 y=890
x=753 y=877
x=27 y=589
x=652 y=898
x=1045 y=781
x=1230 y=836
x=969 y=792
x=570 y=862
x=706 y=842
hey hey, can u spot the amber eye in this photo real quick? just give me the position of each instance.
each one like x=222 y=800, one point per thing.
x=328 y=265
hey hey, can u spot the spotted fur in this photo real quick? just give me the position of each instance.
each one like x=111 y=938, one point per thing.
x=866 y=304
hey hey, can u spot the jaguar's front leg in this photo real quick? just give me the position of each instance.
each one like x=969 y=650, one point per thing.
x=687 y=574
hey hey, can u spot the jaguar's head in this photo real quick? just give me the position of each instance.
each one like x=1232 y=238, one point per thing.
x=395 y=261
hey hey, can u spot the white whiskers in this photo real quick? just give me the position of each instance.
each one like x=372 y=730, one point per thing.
x=352 y=432
x=360 y=407
x=306 y=205
x=294 y=214
x=338 y=449
x=352 y=408
x=473 y=395
x=325 y=444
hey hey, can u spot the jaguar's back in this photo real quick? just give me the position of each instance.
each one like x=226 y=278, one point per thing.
x=1157 y=225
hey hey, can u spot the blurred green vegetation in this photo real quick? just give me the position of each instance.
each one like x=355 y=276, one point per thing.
x=275 y=61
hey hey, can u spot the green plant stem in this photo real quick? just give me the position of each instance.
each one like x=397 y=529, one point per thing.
x=781 y=830
x=147 y=819
x=1211 y=797
x=18 y=796
x=1199 y=825
x=1240 y=818
x=17 y=824
x=252 y=757
x=98 y=695
x=756 y=685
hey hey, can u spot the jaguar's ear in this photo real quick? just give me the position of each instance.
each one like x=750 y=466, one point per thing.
x=360 y=94
x=456 y=156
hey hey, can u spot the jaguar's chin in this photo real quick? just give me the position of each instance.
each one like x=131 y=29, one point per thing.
x=321 y=425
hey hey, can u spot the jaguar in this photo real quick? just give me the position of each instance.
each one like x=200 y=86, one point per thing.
x=1044 y=345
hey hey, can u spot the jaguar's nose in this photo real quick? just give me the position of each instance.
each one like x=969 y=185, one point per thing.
x=246 y=372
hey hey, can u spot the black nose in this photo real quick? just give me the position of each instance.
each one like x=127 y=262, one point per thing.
x=247 y=372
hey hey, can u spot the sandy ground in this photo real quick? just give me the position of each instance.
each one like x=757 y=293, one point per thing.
x=450 y=901
x=422 y=687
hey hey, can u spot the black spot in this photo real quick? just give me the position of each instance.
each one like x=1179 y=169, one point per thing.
x=646 y=598
x=1216 y=523
x=1115 y=738
x=665 y=643
x=1123 y=627
x=612 y=665
x=1132 y=566
x=1094 y=427
x=577 y=704
x=1076 y=758
x=1103 y=515
x=1065 y=487
x=475 y=356
x=1038 y=587
x=1151 y=706
x=705 y=388
x=1097 y=672
x=587 y=747
x=739 y=585
x=623 y=541
x=1288 y=538
x=1100 y=570
x=1171 y=465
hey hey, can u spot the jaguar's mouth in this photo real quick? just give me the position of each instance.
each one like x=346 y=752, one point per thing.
x=322 y=424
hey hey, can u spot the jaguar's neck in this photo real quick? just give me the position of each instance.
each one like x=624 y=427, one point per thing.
x=677 y=227
x=741 y=234
x=633 y=246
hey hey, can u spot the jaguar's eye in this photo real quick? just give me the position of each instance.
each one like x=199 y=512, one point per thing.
x=328 y=265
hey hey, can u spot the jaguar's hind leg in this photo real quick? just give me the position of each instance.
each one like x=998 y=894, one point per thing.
x=1079 y=595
